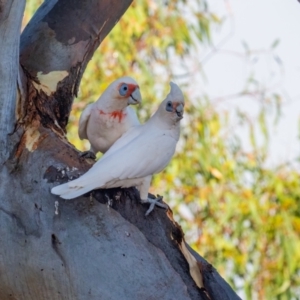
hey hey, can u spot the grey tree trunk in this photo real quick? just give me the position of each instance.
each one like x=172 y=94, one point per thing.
x=85 y=248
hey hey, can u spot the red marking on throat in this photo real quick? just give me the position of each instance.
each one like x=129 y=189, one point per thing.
x=117 y=114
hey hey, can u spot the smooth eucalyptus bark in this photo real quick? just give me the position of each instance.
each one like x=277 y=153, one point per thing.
x=11 y=13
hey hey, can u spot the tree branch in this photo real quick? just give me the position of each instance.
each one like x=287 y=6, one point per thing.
x=56 y=47
x=88 y=248
x=11 y=13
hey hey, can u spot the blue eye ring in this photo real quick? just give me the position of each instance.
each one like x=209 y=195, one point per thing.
x=169 y=106
x=123 y=89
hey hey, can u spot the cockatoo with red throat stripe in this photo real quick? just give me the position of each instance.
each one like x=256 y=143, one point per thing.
x=132 y=160
x=105 y=120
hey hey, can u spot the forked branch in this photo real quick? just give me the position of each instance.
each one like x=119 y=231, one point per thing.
x=56 y=47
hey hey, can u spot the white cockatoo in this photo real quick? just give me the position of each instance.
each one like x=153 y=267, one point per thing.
x=105 y=120
x=132 y=160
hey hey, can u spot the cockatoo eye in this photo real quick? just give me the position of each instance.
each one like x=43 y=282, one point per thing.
x=123 y=89
x=169 y=106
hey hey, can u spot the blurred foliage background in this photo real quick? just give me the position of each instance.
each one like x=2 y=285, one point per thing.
x=243 y=217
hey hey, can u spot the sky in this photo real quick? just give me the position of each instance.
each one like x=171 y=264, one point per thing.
x=257 y=23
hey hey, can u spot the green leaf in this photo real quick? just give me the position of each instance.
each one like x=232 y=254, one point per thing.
x=275 y=43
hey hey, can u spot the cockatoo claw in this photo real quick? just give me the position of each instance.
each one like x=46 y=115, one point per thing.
x=88 y=154
x=154 y=202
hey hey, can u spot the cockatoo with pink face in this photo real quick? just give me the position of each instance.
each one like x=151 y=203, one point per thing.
x=132 y=160
x=105 y=120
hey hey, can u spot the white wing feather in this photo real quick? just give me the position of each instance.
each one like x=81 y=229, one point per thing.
x=83 y=121
x=134 y=155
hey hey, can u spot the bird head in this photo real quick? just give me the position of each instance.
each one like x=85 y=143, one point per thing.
x=172 y=108
x=119 y=94
x=127 y=89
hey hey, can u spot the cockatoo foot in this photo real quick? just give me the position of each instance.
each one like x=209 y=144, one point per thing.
x=154 y=202
x=88 y=154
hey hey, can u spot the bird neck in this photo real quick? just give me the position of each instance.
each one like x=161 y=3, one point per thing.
x=164 y=123
x=111 y=105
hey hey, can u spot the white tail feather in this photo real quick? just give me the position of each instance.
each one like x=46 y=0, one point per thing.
x=60 y=189
x=79 y=186
x=72 y=193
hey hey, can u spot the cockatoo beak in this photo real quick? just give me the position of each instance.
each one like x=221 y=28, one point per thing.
x=134 y=94
x=179 y=111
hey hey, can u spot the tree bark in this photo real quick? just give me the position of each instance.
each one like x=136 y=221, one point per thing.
x=100 y=246
x=11 y=13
